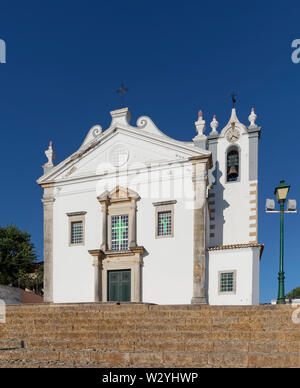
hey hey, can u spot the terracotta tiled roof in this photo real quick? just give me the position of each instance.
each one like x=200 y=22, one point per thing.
x=30 y=297
x=238 y=246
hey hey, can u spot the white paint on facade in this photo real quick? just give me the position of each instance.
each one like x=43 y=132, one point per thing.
x=245 y=262
x=158 y=169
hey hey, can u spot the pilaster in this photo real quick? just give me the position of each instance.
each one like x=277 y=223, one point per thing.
x=104 y=224
x=48 y=202
x=199 y=269
x=132 y=223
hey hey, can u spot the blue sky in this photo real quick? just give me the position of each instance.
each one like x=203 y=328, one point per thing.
x=65 y=60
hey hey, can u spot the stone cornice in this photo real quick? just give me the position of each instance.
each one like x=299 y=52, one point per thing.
x=129 y=252
x=164 y=203
x=97 y=253
x=48 y=200
x=76 y=214
x=238 y=246
x=207 y=159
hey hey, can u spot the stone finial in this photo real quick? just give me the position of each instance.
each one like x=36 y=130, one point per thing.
x=200 y=140
x=50 y=154
x=121 y=117
x=252 y=118
x=200 y=125
x=214 y=125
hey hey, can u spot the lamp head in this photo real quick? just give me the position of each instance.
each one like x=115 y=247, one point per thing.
x=281 y=191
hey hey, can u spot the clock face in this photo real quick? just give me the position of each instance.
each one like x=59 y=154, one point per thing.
x=233 y=135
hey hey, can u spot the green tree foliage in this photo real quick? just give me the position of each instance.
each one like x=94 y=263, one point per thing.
x=295 y=293
x=17 y=255
x=33 y=281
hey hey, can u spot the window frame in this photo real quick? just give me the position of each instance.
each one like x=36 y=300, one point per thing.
x=164 y=207
x=73 y=218
x=111 y=230
x=233 y=292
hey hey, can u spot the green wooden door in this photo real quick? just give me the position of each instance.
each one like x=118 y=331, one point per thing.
x=119 y=286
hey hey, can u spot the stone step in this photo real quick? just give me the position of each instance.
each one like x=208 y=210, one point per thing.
x=15 y=364
x=132 y=308
x=182 y=326
x=131 y=313
x=150 y=343
x=84 y=317
x=199 y=345
x=145 y=334
x=150 y=359
x=131 y=335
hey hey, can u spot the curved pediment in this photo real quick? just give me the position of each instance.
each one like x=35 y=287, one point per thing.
x=118 y=194
x=122 y=146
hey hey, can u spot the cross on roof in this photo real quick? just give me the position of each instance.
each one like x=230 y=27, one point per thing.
x=233 y=97
x=122 y=91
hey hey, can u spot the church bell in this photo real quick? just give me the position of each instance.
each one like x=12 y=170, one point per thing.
x=233 y=173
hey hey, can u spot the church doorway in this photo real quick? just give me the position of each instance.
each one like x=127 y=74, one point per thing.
x=119 y=286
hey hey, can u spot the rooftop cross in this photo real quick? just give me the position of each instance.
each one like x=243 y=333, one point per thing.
x=122 y=91
x=233 y=97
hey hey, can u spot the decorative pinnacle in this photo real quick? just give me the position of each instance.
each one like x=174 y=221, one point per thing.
x=50 y=154
x=200 y=125
x=214 y=125
x=252 y=118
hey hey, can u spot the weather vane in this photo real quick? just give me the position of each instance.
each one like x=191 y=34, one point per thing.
x=122 y=91
x=233 y=97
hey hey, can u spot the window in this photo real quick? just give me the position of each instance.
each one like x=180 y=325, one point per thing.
x=233 y=165
x=164 y=224
x=164 y=219
x=76 y=232
x=76 y=228
x=227 y=282
x=119 y=233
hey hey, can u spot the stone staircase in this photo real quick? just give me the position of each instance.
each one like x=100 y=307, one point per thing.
x=132 y=335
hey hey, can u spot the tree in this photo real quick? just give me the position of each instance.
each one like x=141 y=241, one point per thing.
x=295 y=293
x=33 y=281
x=17 y=255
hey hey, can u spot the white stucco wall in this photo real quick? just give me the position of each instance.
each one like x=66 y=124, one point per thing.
x=168 y=269
x=232 y=199
x=167 y=274
x=73 y=269
x=245 y=262
x=157 y=168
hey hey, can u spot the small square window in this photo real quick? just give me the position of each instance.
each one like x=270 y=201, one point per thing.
x=164 y=224
x=76 y=228
x=164 y=219
x=77 y=232
x=227 y=282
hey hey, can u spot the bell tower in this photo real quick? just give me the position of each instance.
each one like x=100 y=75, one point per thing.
x=233 y=249
x=233 y=181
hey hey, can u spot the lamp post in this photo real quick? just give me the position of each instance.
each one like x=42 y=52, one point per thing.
x=281 y=192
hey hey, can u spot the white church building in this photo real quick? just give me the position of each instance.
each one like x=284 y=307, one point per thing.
x=136 y=216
